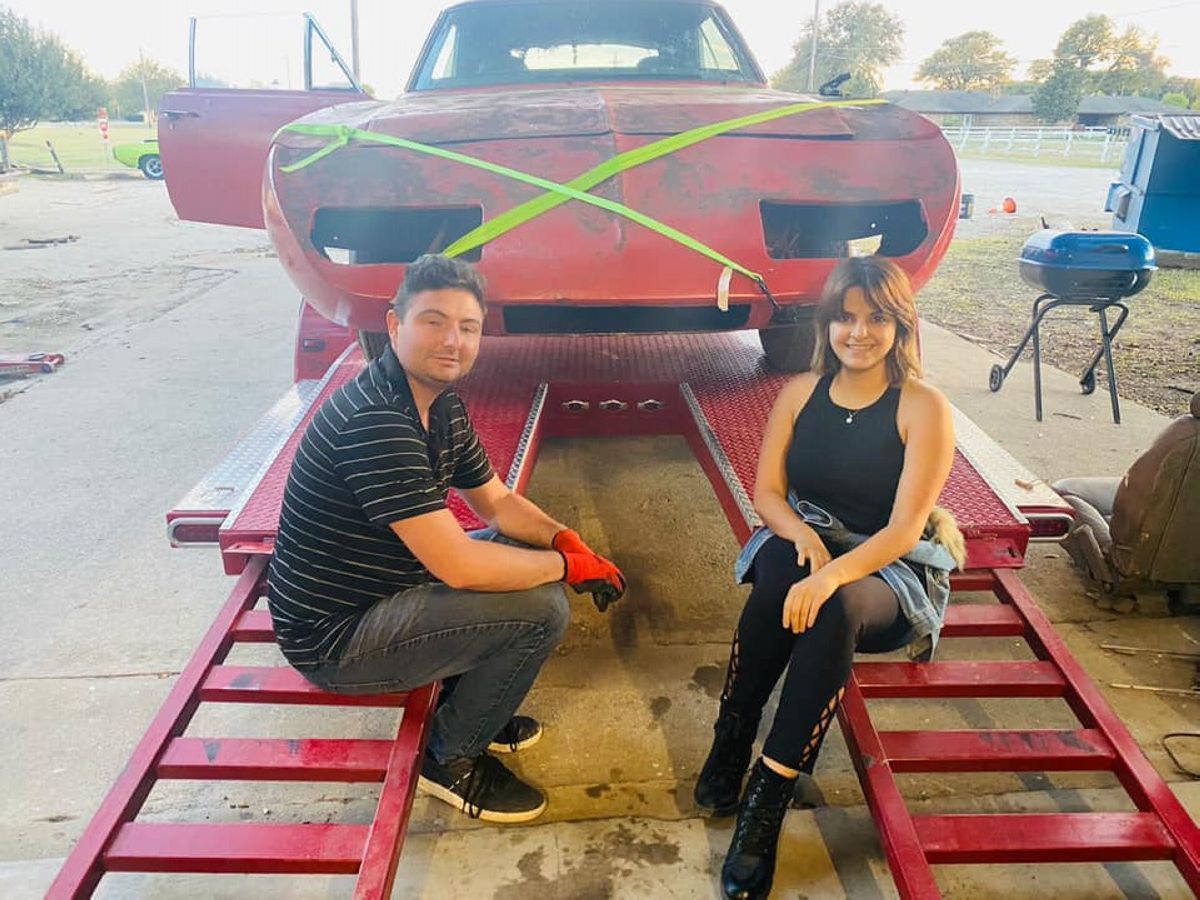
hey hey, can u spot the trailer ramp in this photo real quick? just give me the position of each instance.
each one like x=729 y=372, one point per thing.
x=715 y=391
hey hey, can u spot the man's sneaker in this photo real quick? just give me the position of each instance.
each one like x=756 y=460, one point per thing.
x=482 y=788
x=519 y=733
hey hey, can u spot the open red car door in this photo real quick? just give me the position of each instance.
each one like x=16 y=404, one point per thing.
x=214 y=140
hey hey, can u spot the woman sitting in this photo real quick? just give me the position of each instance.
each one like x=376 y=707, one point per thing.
x=854 y=457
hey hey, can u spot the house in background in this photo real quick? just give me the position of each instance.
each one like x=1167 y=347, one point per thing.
x=1100 y=112
x=979 y=109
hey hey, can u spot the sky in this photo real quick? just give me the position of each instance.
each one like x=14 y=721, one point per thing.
x=108 y=35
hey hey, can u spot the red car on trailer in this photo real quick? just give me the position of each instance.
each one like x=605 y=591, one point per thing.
x=555 y=89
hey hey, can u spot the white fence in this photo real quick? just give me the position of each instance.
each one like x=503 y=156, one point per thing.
x=1097 y=145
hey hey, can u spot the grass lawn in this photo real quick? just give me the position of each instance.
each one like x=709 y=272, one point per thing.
x=1046 y=159
x=78 y=145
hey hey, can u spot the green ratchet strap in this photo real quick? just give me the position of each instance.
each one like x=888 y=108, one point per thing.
x=557 y=194
x=342 y=135
x=622 y=162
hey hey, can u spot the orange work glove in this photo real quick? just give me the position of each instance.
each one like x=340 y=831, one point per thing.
x=592 y=574
x=569 y=541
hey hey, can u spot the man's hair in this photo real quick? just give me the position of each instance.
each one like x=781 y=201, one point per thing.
x=886 y=288
x=434 y=272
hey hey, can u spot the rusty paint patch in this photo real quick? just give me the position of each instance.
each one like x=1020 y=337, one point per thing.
x=1071 y=739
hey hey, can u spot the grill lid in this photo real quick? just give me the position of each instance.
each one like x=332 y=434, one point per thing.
x=1081 y=265
x=1108 y=251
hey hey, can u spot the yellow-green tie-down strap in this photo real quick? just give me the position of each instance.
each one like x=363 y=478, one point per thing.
x=557 y=194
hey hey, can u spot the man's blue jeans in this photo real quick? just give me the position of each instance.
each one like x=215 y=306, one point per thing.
x=495 y=643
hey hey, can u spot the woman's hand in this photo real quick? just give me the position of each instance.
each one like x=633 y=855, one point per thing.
x=810 y=550
x=805 y=599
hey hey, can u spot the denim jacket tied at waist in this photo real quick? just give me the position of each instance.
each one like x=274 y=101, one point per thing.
x=924 y=605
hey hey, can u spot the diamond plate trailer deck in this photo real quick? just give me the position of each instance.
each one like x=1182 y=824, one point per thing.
x=714 y=391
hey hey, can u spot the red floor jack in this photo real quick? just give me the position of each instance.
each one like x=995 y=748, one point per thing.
x=30 y=364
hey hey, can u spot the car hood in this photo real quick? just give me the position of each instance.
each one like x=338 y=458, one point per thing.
x=451 y=117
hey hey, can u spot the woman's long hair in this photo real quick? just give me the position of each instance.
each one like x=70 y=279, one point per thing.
x=887 y=289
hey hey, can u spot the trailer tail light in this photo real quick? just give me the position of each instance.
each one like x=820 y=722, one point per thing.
x=198 y=530
x=832 y=230
x=398 y=235
x=1050 y=527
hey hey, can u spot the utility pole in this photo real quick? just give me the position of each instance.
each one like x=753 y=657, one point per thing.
x=145 y=93
x=812 y=57
x=354 y=40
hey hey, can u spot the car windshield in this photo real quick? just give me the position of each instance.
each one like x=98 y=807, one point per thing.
x=582 y=40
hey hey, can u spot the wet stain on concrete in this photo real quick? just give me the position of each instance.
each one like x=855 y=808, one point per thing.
x=597 y=790
x=530 y=867
x=659 y=706
x=585 y=887
x=710 y=679
x=624 y=843
x=611 y=857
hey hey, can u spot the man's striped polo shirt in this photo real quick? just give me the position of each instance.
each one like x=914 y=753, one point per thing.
x=364 y=461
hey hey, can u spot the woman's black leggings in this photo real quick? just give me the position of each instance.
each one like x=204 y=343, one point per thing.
x=863 y=615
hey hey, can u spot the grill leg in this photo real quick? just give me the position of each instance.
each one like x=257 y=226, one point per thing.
x=1016 y=354
x=1037 y=364
x=1112 y=333
x=1106 y=337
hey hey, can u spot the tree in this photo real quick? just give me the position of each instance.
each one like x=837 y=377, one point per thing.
x=1176 y=99
x=857 y=37
x=1087 y=43
x=1134 y=66
x=1108 y=61
x=1057 y=98
x=23 y=67
x=81 y=93
x=127 y=89
x=1189 y=87
x=39 y=79
x=973 y=61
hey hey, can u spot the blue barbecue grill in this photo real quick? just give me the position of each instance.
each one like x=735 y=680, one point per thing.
x=1094 y=269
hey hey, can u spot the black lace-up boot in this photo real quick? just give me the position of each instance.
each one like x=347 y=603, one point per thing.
x=750 y=863
x=720 y=783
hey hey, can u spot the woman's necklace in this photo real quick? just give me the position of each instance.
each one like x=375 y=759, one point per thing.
x=851 y=413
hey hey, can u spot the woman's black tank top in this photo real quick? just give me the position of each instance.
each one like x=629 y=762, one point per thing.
x=848 y=462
